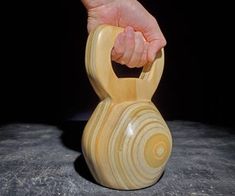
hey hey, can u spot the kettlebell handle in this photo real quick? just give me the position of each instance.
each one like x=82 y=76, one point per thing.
x=102 y=77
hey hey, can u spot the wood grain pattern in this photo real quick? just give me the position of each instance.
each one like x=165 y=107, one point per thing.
x=126 y=143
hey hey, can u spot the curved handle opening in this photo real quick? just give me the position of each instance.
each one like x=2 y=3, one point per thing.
x=122 y=71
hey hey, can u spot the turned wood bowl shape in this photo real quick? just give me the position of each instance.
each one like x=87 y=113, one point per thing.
x=126 y=142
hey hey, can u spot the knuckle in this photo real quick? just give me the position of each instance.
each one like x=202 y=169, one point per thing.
x=163 y=42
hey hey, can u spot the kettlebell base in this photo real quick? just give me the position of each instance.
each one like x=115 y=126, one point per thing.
x=134 y=188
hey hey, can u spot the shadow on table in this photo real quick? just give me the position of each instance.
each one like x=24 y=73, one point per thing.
x=72 y=134
x=82 y=169
x=71 y=138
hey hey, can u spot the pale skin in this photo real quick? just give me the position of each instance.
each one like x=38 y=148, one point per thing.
x=142 y=37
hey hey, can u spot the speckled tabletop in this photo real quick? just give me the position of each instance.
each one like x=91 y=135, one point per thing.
x=39 y=159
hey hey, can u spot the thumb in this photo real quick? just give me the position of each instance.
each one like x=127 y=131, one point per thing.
x=154 y=47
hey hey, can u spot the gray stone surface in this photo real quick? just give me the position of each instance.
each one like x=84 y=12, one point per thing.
x=37 y=159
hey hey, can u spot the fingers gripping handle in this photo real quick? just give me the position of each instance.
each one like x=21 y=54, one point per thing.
x=102 y=77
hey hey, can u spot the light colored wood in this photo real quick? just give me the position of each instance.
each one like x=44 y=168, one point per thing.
x=126 y=143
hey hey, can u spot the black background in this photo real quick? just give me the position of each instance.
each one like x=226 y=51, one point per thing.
x=43 y=78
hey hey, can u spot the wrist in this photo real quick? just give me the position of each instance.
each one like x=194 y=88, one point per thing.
x=89 y=4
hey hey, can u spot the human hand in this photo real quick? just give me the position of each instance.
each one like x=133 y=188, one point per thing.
x=142 y=37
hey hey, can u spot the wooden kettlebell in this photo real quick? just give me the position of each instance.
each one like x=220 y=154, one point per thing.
x=126 y=143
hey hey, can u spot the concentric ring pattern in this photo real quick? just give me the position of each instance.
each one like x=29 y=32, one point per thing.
x=126 y=145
